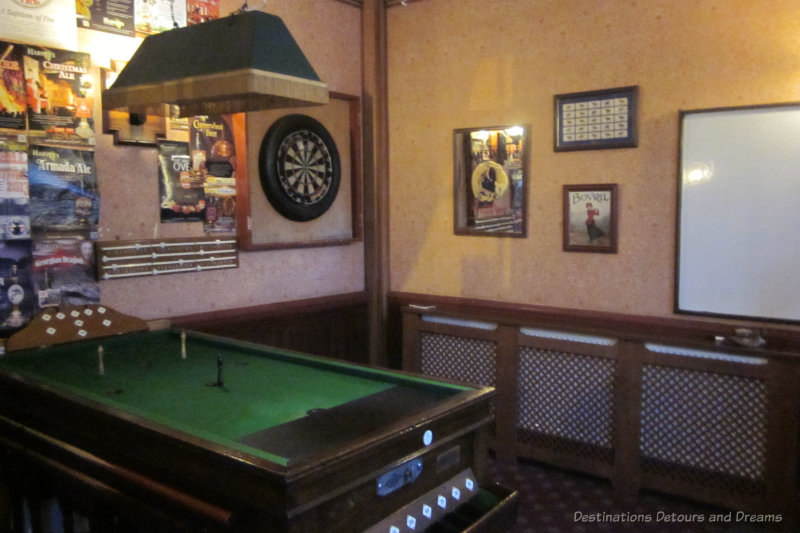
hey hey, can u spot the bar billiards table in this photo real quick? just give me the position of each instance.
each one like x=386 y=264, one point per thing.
x=200 y=433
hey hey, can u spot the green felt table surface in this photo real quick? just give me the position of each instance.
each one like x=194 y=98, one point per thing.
x=145 y=374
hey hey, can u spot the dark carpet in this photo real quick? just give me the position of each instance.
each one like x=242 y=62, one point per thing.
x=557 y=501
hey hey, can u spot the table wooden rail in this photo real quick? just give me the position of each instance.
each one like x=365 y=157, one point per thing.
x=40 y=468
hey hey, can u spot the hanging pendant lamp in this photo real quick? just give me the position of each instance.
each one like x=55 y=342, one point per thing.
x=243 y=62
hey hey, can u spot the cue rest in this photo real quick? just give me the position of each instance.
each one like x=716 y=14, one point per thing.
x=73 y=323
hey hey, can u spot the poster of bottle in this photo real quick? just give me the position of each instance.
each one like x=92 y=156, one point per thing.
x=15 y=221
x=64 y=272
x=180 y=183
x=214 y=154
x=17 y=301
x=110 y=16
x=59 y=92
x=12 y=88
x=63 y=191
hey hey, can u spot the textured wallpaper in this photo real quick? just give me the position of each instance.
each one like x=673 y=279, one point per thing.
x=467 y=63
x=329 y=33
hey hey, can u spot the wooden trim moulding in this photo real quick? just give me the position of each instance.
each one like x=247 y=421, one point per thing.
x=699 y=333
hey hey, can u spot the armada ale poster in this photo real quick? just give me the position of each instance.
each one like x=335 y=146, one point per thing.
x=63 y=191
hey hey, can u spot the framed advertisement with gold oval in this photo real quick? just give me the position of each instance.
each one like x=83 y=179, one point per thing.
x=490 y=180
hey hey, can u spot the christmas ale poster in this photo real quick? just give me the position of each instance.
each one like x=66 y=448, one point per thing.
x=59 y=92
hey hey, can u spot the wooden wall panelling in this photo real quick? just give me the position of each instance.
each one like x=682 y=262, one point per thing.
x=410 y=347
x=506 y=403
x=332 y=326
x=716 y=423
x=466 y=351
x=458 y=350
x=703 y=432
x=783 y=430
x=566 y=399
x=627 y=400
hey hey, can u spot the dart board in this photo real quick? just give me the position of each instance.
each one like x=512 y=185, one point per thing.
x=299 y=167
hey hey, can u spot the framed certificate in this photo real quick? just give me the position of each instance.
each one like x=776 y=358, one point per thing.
x=596 y=119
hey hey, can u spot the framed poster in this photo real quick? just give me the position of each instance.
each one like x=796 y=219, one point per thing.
x=590 y=218
x=490 y=181
x=596 y=119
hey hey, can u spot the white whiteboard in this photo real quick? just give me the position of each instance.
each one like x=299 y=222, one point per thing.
x=739 y=213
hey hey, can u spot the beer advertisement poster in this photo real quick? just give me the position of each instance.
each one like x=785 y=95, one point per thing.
x=59 y=91
x=213 y=153
x=15 y=221
x=64 y=272
x=12 y=88
x=180 y=184
x=63 y=191
x=110 y=16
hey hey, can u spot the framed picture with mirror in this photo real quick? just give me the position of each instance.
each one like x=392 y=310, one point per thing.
x=490 y=181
